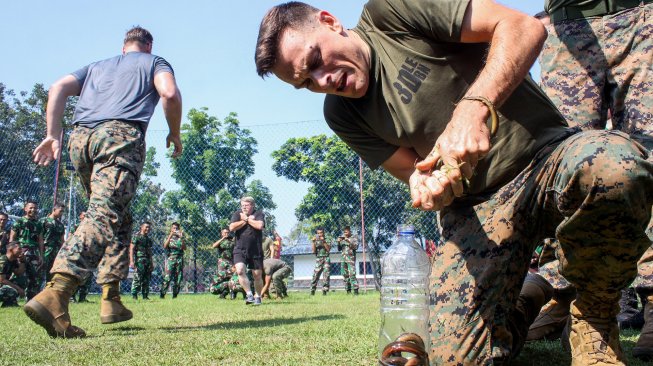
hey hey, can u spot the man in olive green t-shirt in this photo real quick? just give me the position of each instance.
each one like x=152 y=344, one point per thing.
x=411 y=88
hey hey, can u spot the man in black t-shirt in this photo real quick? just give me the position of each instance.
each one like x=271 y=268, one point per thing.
x=248 y=253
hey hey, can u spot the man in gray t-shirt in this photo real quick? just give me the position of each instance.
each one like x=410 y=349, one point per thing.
x=117 y=97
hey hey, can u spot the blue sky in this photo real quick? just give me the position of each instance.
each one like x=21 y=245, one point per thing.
x=210 y=44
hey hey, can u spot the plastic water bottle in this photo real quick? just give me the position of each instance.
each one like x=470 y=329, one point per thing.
x=405 y=269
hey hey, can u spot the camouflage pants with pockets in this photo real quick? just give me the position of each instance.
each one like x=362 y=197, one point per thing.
x=593 y=191
x=322 y=266
x=349 y=272
x=595 y=65
x=174 y=274
x=108 y=159
x=142 y=277
x=277 y=280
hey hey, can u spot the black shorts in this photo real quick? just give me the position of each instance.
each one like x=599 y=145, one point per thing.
x=252 y=261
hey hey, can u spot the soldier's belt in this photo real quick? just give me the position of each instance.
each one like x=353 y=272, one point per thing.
x=600 y=8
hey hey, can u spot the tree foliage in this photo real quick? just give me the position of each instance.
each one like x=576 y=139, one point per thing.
x=22 y=121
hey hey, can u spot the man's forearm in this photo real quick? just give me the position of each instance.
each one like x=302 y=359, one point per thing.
x=172 y=111
x=514 y=47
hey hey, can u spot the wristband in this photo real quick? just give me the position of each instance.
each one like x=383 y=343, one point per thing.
x=493 y=112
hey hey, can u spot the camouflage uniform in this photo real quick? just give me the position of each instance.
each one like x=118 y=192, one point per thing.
x=225 y=254
x=8 y=294
x=174 y=266
x=28 y=233
x=322 y=264
x=592 y=65
x=595 y=201
x=348 y=253
x=143 y=263
x=220 y=283
x=53 y=231
x=278 y=270
x=4 y=240
x=108 y=159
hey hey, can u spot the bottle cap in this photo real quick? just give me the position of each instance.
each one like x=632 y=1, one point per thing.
x=404 y=229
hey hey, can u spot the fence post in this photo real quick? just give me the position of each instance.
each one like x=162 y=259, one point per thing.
x=195 y=267
x=360 y=180
x=56 y=170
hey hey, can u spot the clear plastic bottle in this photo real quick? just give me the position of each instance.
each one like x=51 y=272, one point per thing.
x=405 y=269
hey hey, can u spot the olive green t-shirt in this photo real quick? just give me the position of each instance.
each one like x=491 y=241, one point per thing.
x=419 y=71
x=553 y=5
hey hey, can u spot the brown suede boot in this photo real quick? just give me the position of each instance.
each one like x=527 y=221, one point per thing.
x=49 y=308
x=592 y=335
x=644 y=347
x=111 y=308
x=553 y=317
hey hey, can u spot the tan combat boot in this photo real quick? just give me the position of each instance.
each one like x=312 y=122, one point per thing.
x=49 y=308
x=111 y=308
x=644 y=347
x=553 y=317
x=593 y=336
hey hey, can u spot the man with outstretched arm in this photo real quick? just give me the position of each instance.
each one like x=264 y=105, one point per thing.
x=117 y=97
x=438 y=94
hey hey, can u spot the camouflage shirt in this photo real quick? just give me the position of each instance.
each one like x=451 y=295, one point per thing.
x=4 y=240
x=142 y=247
x=7 y=267
x=28 y=232
x=348 y=248
x=320 y=248
x=175 y=246
x=226 y=249
x=53 y=231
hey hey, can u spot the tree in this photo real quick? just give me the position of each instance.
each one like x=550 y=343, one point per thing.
x=333 y=200
x=22 y=118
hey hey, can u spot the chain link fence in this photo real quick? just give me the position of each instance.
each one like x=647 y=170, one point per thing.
x=301 y=175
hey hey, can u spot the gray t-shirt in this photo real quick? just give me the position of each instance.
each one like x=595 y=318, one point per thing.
x=119 y=88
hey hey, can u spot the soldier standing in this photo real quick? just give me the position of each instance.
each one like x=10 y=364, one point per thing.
x=82 y=290
x=53 y=237
x=174 y=245
x=321 y=250
x=348 y=245
x=140 y=259
x=28 y=231
x=11 y=263
x=117 y=97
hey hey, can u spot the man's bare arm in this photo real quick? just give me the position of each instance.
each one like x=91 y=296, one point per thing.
x=58 y=94
x=166 y=86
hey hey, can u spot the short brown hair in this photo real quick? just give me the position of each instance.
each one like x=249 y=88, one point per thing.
x=293 y=15
x=138 y=34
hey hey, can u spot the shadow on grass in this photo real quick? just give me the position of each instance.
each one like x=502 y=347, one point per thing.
x=126 y=329
x=272 y=322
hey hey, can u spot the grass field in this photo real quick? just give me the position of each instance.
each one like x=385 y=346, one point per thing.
x=203 y=330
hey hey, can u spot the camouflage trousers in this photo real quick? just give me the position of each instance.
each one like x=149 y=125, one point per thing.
x=322 y=266
x=108 y=159
x=83 y=288
x=593 y=191
x=32 y=279
x=598 y=65
x=349 y=272
x=142 y=277
x=174 y=274
x=48 y=260
x=234 y=285
x=8 y=296
x=278 y=280
x=220 y=281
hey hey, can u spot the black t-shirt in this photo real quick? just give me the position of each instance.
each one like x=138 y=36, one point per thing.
x=249 y=239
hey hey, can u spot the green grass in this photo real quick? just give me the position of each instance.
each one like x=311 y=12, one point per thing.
x=203 y=330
